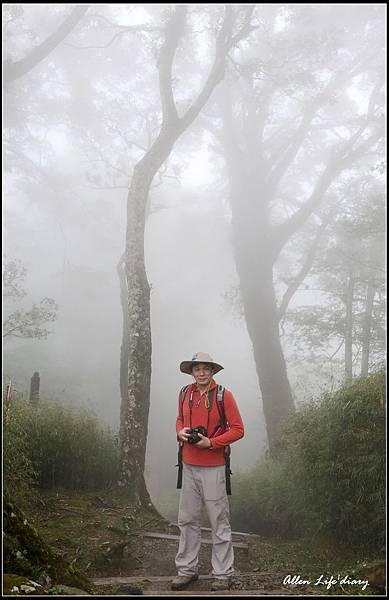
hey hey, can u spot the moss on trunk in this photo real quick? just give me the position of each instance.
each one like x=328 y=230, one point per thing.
x=26 y=553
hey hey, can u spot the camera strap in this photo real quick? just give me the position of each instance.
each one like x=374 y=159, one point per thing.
x=191 y=405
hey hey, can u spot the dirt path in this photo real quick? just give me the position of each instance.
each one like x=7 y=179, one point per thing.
x=106 y=540
x=156 y=552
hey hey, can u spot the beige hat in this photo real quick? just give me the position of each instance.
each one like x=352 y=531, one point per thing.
x=199 y=357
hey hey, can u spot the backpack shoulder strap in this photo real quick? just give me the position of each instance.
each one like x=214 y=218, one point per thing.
x=220 y=404
x=182 y=397
x=227 y=449
x=183 y=391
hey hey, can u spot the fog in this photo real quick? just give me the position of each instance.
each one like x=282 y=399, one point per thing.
x=77 y=122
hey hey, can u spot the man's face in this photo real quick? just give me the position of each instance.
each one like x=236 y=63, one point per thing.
x=202 y=372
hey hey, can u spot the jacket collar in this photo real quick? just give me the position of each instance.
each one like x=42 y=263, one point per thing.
x=211 y=387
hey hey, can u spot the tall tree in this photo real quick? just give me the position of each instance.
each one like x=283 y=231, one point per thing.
x=236 y=25
x=279 y=122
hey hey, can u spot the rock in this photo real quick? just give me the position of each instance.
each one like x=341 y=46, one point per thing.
x=66 y=590
x=18 y=585
x=376 y=576
x=131 y=590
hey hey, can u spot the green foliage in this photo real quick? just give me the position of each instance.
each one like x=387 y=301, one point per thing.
x=52 y=445
x=327 y=476
x=19 y=472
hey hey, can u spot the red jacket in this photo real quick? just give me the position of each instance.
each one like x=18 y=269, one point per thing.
x=209 y=419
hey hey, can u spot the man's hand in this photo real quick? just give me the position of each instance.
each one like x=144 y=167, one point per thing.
x=183 y=434
x=204 y=442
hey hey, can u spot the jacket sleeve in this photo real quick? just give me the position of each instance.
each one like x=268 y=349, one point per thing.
x=236 y=427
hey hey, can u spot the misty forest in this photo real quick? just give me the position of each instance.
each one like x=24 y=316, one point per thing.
x=179 y=179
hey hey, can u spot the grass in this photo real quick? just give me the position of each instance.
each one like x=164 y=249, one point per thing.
x=86 y=528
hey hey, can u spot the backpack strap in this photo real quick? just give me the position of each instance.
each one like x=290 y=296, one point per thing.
x=227 y=449
x=220 y=405
x=180 y=467
x=180 y=444
x=182 y=398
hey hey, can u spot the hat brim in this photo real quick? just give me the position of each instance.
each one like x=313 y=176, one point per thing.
x=186 y=366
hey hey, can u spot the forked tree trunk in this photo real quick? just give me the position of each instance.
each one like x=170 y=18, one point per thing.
x=135 y=413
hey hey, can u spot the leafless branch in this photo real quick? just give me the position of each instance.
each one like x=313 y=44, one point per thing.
x=17 y=69
x=305 y=268
x=102 y=187
x=310 y=111
x=224 y=42
x=124 y=30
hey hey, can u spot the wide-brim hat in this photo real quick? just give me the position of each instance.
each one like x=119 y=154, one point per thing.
x=199 y=357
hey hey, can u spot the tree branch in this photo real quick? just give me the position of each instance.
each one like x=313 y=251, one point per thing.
x=306 y=267
x=224 y=42
x=173 y=126
x=17 y=69
x=337 y=350
x=124 y=29
x=352 y=155
x=298 y=138
x=174 y=31
x=339 y=160
x=291 y=150
x=285 y=230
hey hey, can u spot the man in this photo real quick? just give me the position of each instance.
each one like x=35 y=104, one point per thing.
x=204 y=472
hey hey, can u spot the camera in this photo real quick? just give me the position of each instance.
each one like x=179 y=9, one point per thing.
x=193 y=437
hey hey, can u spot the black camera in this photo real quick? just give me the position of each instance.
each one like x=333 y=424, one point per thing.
x=193 y=437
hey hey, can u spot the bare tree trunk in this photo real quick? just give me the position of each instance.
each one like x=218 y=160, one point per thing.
x=255 y=270
x=367 y=323
x=124 y=345
x=348 y=334
x=135 y=415
x=375 y=258
x=254 y=256
x=263 y=328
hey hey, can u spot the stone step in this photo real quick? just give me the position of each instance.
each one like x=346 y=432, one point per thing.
x=261 y=592
x=237 y=533
x=137 y=579
x=169 y=536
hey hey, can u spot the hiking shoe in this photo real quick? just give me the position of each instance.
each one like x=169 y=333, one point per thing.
x=221 y=583
x=182 y=581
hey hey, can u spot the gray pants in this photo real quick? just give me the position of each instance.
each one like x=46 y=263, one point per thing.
x=208 y=485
